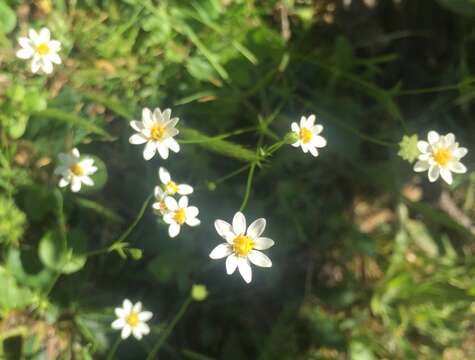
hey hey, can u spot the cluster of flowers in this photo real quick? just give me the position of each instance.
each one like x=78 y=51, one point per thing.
x=243 y=245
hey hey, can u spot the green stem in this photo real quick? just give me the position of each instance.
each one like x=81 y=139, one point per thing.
x=110 y=355
x=219 y=137
x=231 y=174
x=169 y=329
x=248 y=186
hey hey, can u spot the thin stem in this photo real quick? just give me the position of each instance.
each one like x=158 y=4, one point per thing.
x=169 y=329
x=220 y=137
x=231 y=174
x=248 y=186
x=110 y=355
x=435 y=89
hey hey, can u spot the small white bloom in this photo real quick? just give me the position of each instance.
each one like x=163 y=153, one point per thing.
x=159 y=204
x=156 y=131
x=41 y=49
x=440 y=155
x=131 y=319
x=241 y=246
x=308 y=135
x=179 y=213
x=75 y=171
x=172 y=187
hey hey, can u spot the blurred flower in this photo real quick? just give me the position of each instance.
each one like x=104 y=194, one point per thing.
x=408 y=148
x=131 y=319
x=75 y=171
x=12 y=221
x=308 y=138
x=156 y=131
x=440 y=155
x=239 y=246
x=159 y=204
x=179 y=213
x=41 y=49
x=199 y=292
x=170 y=186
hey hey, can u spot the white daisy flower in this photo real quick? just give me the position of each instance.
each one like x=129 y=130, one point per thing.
x=172 y=187
x=440 y=155
x=241 y=246
x=75 y=171
x=156 y=131
x=308 y=138
x=159 y=204
x=179 y=213
x=41 y=49
x=131 y=319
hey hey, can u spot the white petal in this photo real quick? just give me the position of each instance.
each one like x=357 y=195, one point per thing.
x=54 y=58
x=75 y=152
x=47 y=66
x=184 y=189
x=256 y=228
x=149 y=150
x=137 y=307
x=126 y=331
x=120 y=312
x=319 y=141
x=163 y=151
x=317 y=129
x=136 y=125
x=460 y=152
x=433 y=137
x=157 y=115
x=35 y=65
x=54 y=45
x=446 y=175
x=421 y=166
x=263 y=243
x=137 y=333
x=173 y=230
x=310 y=120
x=164 y=175
x=171 y=203
x=32 y=34
x=172 y=144
x=245 y=269
x=192 y=221
x=45 y=35
x=118 y=324
x=166 y=114
x=145 y=315
x=304 y=147
x=223 y=228
x=259 y=259
x=296 y=144
x=449 y=139
x=25 y=43
x=127 y=305
x=75 y=184
x=143 y=329
x=295 y=127
x=137 y=139
x=192 y=212
x=158 y=192
x=303 y=122
x=239 y=223
x=183 y=202
x=231 y=264
x=25 y=53
x=423 y=146
x=220 y=251
x=168 y=217
x=457 y=167
x=433 y=173
x=147 y=118
x=63 y=182
x=86 y=180
x=313 y=150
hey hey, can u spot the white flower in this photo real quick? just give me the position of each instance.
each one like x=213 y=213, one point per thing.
x=440 y=155
x=41 y=49
x=308 y=138
x=242 y=246
x=156 y=130
x=131 y=319
x=75 y=171
x=172 y=187
x=159 y=204
x=179 y=213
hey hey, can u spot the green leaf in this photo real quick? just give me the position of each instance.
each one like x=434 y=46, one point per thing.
x=77 y=245
x=13 y=295
x=52 y=250
x=7 y=18
x=461 y=7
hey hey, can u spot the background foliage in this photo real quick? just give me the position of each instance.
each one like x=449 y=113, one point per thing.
x=371 y=261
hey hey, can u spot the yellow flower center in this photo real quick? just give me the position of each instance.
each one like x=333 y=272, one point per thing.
x=442 y=156
x=133 y=319
x=180 y=216
x=76 y=169
x=171 y=187
x=305 y=135
x=157 y=133
x=42 y=48
x=242 y=245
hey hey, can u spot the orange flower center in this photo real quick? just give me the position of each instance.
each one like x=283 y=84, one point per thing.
x=77 y=169
x=180 y=216
x=157 y=133
x=42 y=49
x=242 y=245
x=442 y=156
x=305 y=135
